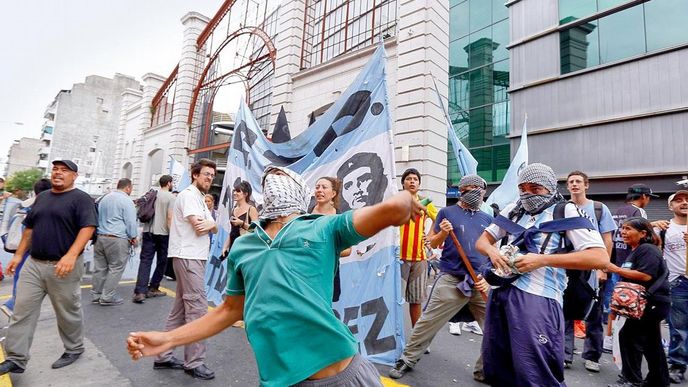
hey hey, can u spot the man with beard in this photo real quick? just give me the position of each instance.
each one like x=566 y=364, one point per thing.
x=674 y=240
x=280 y=281
x=524 y=325
x=188 y=248
x=453 y=288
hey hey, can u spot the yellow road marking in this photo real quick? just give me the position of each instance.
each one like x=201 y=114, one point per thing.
x=5 y=380
x=387 y=382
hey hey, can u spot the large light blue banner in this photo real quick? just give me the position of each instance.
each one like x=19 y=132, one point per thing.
x=352 y=141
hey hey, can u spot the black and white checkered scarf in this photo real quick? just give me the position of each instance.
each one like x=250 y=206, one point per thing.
x=283 y=195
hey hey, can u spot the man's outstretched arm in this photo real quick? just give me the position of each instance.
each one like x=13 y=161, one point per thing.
x=394 y=211
x=140 y=344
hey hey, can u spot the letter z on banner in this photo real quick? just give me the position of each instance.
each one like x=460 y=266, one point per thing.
x=353 y=141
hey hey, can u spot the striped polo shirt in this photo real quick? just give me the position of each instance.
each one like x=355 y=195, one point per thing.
x=411 y=235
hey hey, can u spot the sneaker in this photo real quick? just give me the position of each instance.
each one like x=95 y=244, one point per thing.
x=427 y=350
x=455 y=328
x=400 y=369
x=473 y=327
x=115 y=301
x=568 y=364
x=138 y=298
x=607 y=344
x=155 y=292
x=592 y=366
x=676 y=375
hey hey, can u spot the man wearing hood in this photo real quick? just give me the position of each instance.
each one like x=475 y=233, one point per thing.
x=280 y=282
x=523 y=342
x=453 y=288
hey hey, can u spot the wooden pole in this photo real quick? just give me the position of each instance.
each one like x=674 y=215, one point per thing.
x=465 y=260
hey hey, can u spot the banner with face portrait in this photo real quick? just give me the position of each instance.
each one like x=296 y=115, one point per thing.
x=352 y=141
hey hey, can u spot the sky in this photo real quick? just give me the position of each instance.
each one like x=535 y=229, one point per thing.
x=49 y=45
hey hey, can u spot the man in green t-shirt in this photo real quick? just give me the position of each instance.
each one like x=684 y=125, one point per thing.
x=280 y=282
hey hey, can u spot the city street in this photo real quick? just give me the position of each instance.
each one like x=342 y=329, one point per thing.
x=106 y=361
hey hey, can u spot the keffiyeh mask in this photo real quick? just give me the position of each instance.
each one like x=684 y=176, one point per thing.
x=283 y=195
x=473 y=198
x=543 y=175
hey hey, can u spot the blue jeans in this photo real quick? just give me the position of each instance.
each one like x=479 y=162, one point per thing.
x=678 y=323
x=151 y=245
x=608 y=290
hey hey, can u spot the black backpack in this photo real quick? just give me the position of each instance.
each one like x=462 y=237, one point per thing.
x=579 y=297
x=145 y=206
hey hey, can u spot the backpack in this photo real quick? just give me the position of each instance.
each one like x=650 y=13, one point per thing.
x=579 y=297
x=15 y=229
x=145 y=206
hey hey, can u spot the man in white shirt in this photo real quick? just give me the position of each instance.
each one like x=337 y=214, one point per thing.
x=188 y=249
x=674 y=240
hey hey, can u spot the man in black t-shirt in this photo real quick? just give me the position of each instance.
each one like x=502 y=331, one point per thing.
x=56 y=231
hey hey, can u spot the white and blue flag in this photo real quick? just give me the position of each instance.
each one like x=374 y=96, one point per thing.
x=352 y=141
x=180 y=175
x=507 y=192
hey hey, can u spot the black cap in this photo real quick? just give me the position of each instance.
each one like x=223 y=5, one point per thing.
x=641 y=189
x=67 y=163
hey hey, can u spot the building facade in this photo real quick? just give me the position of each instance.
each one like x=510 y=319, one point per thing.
x=23 y=155
x=81 y=125
x=605 y=88
x=302 y=55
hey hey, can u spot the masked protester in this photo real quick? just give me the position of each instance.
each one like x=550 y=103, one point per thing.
x=284 y=269
x=531 y=351
x=468 y=222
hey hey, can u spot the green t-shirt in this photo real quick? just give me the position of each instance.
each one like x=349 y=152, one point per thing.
x=288 y=284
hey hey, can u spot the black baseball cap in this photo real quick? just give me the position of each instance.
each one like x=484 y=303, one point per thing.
x=67 y=163
x=641 y=189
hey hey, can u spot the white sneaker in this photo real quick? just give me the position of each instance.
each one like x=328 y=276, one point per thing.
x=455 y=328
x=473 y=327
x=607 y=344
x=592 y=366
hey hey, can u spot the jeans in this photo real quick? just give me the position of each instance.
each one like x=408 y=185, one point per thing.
x=678 y=324
x=151 y=245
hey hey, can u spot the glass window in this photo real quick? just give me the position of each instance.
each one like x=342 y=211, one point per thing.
x=480 y=14
x=458 y=21
x=458 y=56
x=500 y=35
x=499 y=10
x=481 y=48
x=570 y=10
x=579 y=47
x=622 y=35
x=666 y=23
x=606 y=4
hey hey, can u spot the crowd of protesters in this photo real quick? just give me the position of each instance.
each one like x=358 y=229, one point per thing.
x=526 y=274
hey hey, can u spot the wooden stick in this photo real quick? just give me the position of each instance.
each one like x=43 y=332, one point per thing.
x=465 y=260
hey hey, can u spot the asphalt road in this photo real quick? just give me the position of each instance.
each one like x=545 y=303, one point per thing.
x=449 y=363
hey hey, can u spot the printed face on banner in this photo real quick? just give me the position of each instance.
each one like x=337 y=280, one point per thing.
x=363 y=181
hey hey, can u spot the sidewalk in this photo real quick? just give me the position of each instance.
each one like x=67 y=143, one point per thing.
x=92 y=369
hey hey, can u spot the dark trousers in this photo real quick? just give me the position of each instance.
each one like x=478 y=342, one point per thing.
x=594 y=336
x=523 y=339
x=151 y=245
x=640 y=338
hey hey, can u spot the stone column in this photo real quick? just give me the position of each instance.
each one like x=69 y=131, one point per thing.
x=129 y=97
x=420 y=127
x=288 y=61
x=151 y=85
x=190 y=68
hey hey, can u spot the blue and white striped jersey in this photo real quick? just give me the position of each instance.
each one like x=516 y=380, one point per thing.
x=548 y=281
